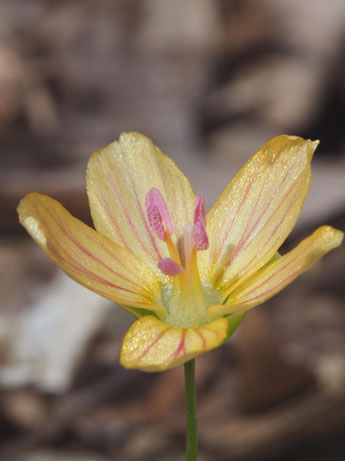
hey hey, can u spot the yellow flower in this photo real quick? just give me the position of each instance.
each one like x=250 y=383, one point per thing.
x=187 y=278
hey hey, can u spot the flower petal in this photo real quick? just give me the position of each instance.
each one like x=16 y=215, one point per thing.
x=275 y=276
x=118 y=179
x=258 y=209
x=151 y=345
x=88 y=257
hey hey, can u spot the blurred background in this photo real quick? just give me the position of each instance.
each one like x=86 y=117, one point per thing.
x=209 y=82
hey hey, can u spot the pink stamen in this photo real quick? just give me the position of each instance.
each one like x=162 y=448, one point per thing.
x=200 y=236
x=199 y=210
x=158 y=213
x=199 y=228
x=155 y=220
x=169 y=267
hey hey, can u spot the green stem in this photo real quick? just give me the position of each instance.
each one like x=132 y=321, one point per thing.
x=191 y=423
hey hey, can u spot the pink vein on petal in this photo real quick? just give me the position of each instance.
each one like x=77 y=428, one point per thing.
x=272 y=234
x=202 y=337
x=96 y=278
x=274 y=274
x=181 y=346
x=246 y=236
x=84 y=250
x=132 y=225
x=234 y=219
x=141 y=211
x=272 y=288
x=114 y=221
x=150 y=346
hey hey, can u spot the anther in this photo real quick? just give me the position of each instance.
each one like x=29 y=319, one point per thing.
x=200 y=236
x=199 y=228
x=169 y=267
x=155 y=220
x=158 y=214
x=199 y=210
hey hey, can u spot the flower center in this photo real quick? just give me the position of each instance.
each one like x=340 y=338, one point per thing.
x=185 y=299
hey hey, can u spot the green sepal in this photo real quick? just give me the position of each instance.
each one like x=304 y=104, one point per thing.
x=137 y=312
x=233 y=320
x=274 y=258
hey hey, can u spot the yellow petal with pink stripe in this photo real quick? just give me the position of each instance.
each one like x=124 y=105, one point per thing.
x=88 y=257
x=275 y=276
x=118 y=179
x=152 y=345
x=258 y=209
